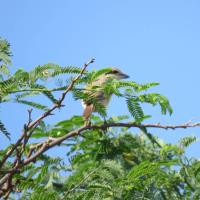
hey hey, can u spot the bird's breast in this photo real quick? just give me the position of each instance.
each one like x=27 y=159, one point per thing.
x=83 y=104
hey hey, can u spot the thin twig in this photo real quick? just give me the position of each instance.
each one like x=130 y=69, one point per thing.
x=81 y=182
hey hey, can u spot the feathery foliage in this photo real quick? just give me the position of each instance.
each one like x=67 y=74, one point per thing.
x=111 y=164
x=5 y=60
x=135 y=109
x=118 y=165
x=4 y=130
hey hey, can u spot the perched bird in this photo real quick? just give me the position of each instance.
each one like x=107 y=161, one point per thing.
x=98 y=94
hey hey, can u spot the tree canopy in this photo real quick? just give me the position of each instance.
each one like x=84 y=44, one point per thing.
x=116 y=159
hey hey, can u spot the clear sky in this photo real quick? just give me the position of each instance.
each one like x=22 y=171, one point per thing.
x=150 y=40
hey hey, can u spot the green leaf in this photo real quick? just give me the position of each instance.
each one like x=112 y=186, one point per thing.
x=7 y=85
x=92 y=76
x=52 y=70
x=155 y=98
x=66 y=70
x=135 y=108
x=32 y=104
x=96 y=74
x=50 y=96
x=4 y=69
x=137 y=87
x=4 y=130
x=150 y=136
x=186 y=141
x=5 y=52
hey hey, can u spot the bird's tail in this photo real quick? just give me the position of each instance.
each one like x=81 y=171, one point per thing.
x=88 y=111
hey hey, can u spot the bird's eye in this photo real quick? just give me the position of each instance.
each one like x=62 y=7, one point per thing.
x=114 y=71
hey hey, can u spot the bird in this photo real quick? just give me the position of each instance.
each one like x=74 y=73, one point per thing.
x=98 y=94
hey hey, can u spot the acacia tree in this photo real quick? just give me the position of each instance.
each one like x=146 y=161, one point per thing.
x=105 y=160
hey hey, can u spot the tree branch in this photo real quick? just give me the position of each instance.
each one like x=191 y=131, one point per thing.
x=57 y=141
x=49 y=143
x=28 y=130
x=47 y=113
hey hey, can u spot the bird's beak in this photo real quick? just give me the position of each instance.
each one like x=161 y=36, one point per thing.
x=124 y=76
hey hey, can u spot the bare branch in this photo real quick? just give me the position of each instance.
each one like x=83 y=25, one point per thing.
x=158 y=125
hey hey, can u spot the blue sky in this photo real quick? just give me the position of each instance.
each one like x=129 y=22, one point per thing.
x=150 y=40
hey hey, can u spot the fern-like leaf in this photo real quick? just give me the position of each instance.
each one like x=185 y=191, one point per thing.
x=100 y=72
x=137 y=87
x=32 y=104
x=110 y=87
x=5 y=52
x=92 y=76
x=50 y=96
x=52 y=70
x=92 y=98
x=135 y=108
x=4 y=70
x=150 y=136
x=7 y=85
x=4 y=130
x=186 y=141
x=42 y=72
x=154 y=98
x=26 y=94
x=66 y=70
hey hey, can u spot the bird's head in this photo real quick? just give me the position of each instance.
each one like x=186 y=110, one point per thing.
x=115 y=73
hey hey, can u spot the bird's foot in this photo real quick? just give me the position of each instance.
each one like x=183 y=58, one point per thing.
x=87 y=123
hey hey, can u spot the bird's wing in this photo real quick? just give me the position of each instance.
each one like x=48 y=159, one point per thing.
x=94 y=96
x=89 y=106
